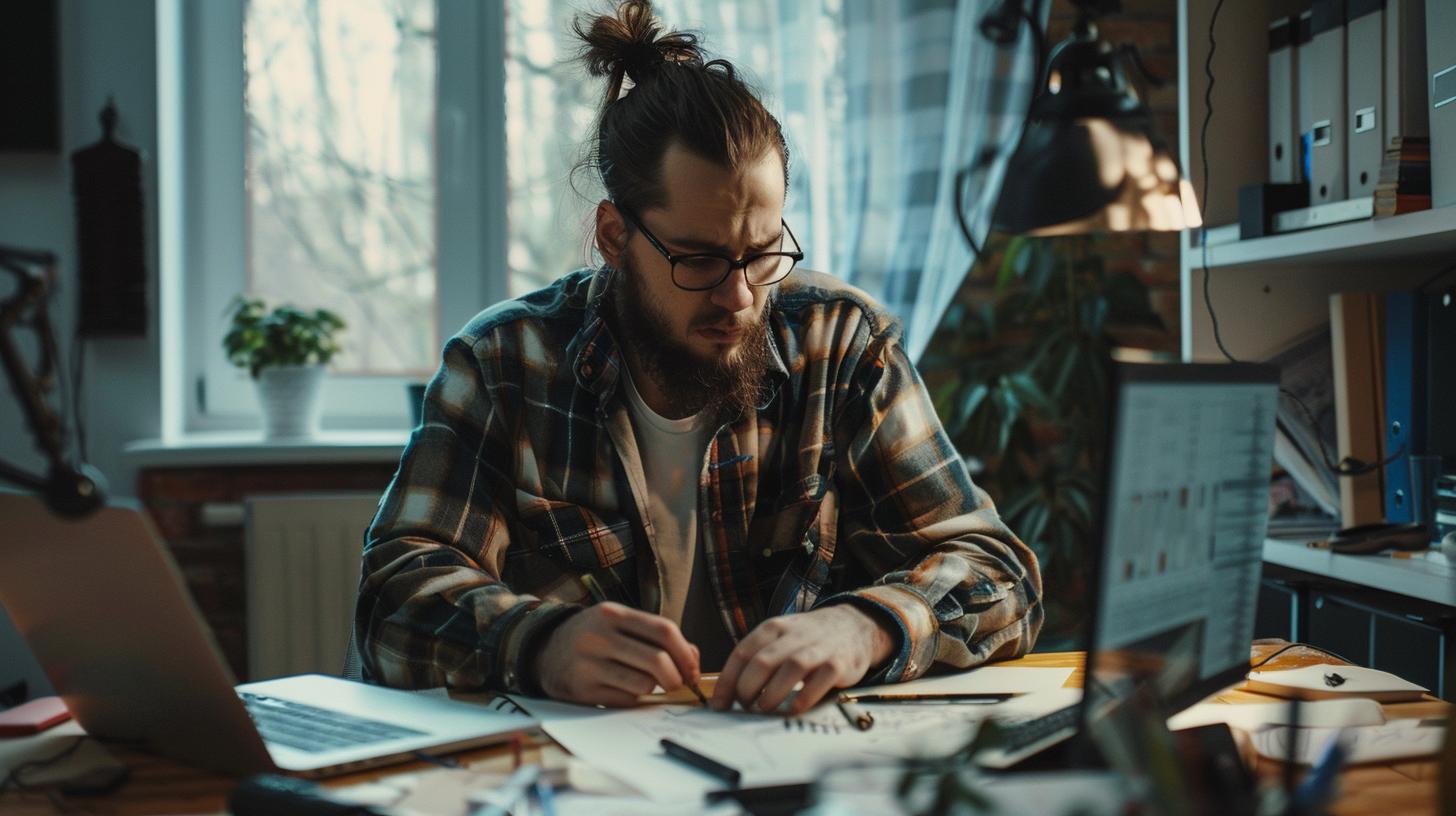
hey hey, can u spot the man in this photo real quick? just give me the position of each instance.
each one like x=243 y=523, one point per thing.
x=694 y=457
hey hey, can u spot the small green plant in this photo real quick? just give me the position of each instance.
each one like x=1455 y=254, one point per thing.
x=286 y=336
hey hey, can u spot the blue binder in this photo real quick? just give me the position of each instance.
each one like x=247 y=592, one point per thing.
x=1405 y=395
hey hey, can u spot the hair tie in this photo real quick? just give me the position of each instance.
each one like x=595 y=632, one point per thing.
x=641 y=59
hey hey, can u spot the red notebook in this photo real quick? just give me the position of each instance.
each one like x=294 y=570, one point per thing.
x=33 y=717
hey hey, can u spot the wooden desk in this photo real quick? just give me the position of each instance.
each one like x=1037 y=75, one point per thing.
x=160 y=786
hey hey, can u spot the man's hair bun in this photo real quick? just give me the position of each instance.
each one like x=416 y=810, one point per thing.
x=630 y=44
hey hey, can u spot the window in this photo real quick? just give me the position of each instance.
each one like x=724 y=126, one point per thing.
x=408 y=163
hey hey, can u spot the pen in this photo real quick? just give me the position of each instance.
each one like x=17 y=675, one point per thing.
x=698 y=693
x=687 y=755
x=973 y=699
x=857 y=716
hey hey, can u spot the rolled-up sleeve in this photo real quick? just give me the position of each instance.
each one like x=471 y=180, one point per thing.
x=433 y=609
x=958 y=585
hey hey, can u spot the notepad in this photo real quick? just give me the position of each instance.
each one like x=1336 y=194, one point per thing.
x=1324 y=681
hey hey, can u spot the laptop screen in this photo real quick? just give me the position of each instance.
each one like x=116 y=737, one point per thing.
x=1185 y=512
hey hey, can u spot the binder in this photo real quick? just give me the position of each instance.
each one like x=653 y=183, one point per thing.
x=1441 y=74
x=1405 y=396
x=1407 y=105
x=1356 y=340
x=1441 y=374
x=1364 y=45
x=1283 y=106
x=1322 y=101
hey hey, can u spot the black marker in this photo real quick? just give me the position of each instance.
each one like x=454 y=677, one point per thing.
x=684 y=754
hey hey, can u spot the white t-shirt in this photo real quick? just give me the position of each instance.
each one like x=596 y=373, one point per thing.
x=673 y=453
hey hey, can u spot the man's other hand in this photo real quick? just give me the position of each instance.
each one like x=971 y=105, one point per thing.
x=828 y=648
x=609 y=654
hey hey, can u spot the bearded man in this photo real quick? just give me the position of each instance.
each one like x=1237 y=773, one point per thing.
x=693 y=457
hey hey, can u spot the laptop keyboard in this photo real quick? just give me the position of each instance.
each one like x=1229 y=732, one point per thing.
x=1018 y=734
x=314 y=730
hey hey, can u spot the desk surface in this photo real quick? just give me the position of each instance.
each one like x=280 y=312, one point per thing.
x=159 y=786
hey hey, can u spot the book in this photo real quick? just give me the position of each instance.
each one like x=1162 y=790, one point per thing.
x=1405 y=177
x=1357 y=343
x=1302 y=439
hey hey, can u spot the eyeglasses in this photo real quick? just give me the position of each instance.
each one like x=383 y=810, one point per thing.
x=700 y=271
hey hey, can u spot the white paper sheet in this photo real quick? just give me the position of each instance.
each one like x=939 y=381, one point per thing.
x=1254 y=716
x=1397 y=739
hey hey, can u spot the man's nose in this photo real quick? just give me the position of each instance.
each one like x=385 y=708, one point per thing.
x=734 y=293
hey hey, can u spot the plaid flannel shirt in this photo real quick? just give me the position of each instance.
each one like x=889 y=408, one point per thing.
x=519 y=498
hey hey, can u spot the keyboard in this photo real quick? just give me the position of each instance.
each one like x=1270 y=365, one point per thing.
x=1018 y=734
x=314 y=730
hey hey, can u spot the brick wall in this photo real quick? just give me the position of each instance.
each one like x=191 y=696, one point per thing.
x=211 y=554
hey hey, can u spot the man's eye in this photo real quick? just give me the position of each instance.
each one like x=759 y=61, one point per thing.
x=702 y=264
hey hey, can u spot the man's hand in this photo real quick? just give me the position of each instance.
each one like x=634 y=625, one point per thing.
x=610 y=654
x=828 y=648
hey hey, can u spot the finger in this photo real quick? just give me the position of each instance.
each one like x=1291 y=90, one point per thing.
x=761 y=668
x=820 y=682
x=791 y=670
x=622 y=677
x=726 y=689
x=642 y=657
x=610 y=697
x=662 y=633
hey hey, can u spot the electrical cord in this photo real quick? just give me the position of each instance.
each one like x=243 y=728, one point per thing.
x=1297 y=644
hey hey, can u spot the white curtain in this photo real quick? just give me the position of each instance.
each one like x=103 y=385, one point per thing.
x=883 y=102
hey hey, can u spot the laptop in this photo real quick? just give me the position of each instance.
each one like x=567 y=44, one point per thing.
x=1182 y=517
x=103 y=607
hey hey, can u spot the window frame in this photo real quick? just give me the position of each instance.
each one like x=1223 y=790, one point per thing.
x=206 y=237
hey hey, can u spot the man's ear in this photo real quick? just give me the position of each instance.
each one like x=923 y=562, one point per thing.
x=611 y=237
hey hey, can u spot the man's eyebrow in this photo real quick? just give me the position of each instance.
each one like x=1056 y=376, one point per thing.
x=697 y=245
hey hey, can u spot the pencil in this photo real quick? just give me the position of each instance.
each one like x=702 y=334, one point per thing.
x=698 y=693
x=974 y=699
x=857 y=716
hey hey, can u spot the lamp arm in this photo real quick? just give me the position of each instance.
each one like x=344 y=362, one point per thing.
x=71 y=489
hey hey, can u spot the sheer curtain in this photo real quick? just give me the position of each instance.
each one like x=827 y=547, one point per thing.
x=882 y=101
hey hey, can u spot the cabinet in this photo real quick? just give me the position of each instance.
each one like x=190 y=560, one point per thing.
x=1269 y=291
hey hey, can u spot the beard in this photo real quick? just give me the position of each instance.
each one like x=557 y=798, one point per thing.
x=727 y=384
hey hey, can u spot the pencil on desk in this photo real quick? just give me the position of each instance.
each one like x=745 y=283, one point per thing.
x=952 y=697
x=856 y=714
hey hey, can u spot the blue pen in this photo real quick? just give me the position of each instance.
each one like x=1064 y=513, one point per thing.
x=1318 y=788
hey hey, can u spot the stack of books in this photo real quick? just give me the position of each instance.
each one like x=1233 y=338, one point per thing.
x=1405 y=177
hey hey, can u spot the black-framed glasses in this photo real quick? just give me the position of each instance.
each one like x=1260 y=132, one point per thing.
x=699 y=271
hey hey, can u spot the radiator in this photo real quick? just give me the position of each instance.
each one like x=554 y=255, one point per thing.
x=303 y=559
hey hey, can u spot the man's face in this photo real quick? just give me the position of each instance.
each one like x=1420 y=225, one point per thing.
x=698 y=343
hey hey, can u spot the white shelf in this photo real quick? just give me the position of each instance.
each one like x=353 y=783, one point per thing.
x=1425 y=234
x=1429 y=577
x=249 y=448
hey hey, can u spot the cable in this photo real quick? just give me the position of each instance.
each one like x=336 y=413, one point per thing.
x=1289 y=646
x=1203 y=158
x=13 y=778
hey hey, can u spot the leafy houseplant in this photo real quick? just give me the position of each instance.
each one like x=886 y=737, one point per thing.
x=1019 y=376
x=285 y=351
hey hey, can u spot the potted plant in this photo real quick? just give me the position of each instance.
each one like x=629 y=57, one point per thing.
x=1019 y=375
x=285 y=351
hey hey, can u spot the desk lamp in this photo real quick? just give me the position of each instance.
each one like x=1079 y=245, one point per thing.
x=1088 y=158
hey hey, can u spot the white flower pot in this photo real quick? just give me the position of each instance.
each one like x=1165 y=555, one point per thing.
x=289 y=397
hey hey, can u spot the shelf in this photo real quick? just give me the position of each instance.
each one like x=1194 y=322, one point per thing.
x=249 y=448
x=1425 y=234
x=1429 y=577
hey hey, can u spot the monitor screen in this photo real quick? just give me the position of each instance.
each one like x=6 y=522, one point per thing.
x=1185 y=513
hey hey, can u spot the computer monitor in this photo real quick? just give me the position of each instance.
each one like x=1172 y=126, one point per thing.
x=1184 y=513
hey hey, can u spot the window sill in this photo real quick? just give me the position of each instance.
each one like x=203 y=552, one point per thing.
x=245 y=448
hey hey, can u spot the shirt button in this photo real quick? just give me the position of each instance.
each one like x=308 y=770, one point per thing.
x=586 y=371
x=766 y=552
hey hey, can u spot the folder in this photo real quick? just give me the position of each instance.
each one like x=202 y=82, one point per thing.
x=1283 y=107
x=1441 y=73
x=1322 y=101
x=1364 y=44
x=1405 y=396
x=1441 y=374
x=1356 y=347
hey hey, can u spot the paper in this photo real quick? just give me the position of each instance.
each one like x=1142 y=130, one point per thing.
x=1254 y=716
x=1355 y=680
x=1397 y=739
x=770 y=749
x=984 y=680
x=90 y=760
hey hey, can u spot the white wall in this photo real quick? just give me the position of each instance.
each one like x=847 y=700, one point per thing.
x=108 y=47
